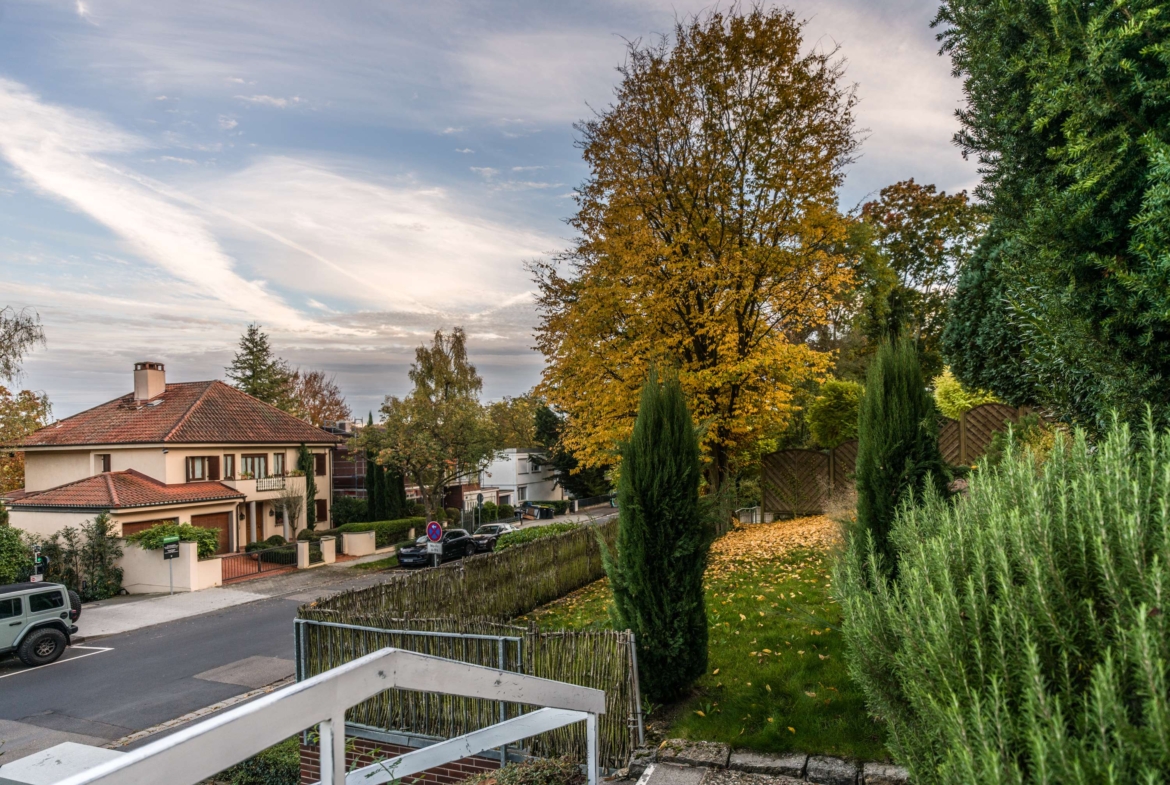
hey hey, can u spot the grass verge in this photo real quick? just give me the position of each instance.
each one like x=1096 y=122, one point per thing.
x=776 y=679
x=381 y=564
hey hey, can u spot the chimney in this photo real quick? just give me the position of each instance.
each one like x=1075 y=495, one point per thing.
x=150 y=380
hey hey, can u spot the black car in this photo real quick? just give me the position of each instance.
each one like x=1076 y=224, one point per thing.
x=456 y=544
x=485 y=536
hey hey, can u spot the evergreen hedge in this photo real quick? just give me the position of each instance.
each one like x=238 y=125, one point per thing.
x=530 y=533
x=657 y=573
x=1026 y=637
x=206 y=540
x=897 y=441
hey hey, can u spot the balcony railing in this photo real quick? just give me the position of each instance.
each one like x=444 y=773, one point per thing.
x=193 y=754
x=270 y=484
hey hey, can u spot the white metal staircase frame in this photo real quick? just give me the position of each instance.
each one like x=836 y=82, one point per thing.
x=193 y=754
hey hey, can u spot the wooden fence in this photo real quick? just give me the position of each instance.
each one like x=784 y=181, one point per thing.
x=800 y=482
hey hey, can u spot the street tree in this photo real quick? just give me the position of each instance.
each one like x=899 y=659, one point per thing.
x=515 y=419
x=439 y=434
x=20 y=414
x=709 y=239
x=20 y=331
x=257 y=370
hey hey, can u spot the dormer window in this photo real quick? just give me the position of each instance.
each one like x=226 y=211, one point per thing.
x=102 y=461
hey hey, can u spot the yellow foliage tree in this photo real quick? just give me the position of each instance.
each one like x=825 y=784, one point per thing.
x=709 y=237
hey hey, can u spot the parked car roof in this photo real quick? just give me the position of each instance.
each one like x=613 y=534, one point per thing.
x=12 y=588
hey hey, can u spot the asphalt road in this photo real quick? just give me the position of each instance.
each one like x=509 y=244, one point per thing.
x=146 y=677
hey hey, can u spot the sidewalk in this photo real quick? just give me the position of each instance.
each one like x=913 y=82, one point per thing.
x=126 y=613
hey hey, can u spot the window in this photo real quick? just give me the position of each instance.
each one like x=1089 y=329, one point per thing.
x=254 y=466
x=319 y=464
x=229 y=467
x=45 y=601
x=278 y=464
x=10 y=608
x=103 y=461
x=197 y=469
x=533 y=465
x=322 y=511
x=522 y=460
x=522 y=493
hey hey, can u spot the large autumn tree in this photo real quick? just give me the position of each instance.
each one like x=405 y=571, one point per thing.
x=439 y=434
x=709 y=237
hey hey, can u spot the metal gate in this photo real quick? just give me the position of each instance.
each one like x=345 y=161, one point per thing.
x=241 y=566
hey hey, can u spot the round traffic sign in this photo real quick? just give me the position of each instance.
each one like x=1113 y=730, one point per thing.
x=434 y=531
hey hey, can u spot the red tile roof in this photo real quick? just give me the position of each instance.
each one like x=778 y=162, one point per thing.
x=187 y=412
x=119 y=490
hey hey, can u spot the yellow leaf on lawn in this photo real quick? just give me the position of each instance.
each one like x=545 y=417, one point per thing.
x=701 y=714
x=810 y=694
x=768 y=687
x=792 y=729
x=715 y=672
x=767 y=651
x=769 y=719
x=742 y=617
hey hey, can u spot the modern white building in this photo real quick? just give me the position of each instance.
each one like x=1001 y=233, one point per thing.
x=518 y=475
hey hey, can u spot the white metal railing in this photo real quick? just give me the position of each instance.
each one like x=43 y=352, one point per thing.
x=193 y=754
x=270 y=484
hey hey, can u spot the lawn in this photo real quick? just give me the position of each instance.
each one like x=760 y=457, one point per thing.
x=777 y=679
x=381 y=564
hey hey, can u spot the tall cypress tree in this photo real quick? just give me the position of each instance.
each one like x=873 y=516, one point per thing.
x=662 y=544
x=395 y=493
x=307 y=465
x=897 y=433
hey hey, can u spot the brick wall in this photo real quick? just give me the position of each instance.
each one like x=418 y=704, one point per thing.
x=364 y=752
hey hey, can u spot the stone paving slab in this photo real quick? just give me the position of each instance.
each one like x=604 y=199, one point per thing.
x=733 y=777
x=791 y=765
x=824 y=770
x=694 y=753
x=884 y=774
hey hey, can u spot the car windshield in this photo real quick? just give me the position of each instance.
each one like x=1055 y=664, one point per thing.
x=488 y=530
x=421 y=540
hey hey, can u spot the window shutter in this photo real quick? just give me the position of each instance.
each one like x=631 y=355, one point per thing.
x=319 y=460
x=322 y=511
x=188 y=470
x=213 y=468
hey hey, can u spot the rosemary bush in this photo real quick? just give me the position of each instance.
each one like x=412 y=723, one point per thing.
x=1025 y=638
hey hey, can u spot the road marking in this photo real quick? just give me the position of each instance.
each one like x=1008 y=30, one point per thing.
x=92 y=651
x=194 y=715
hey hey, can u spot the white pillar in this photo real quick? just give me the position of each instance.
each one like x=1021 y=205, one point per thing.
x=284 y=517
x=252 y=522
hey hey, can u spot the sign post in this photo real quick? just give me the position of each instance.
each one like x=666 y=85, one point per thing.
x=435 y=541
x=171 y=552
x=39 y=565
x=479 y=509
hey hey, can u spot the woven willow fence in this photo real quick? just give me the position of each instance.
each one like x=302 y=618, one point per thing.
x=497 y=586
x=599 y=659
x=477 y=596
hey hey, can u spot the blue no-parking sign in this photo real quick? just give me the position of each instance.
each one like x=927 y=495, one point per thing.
x=434 y=531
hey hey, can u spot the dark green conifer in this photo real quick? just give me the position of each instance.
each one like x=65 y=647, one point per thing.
x=306 y=464
x=663 y=539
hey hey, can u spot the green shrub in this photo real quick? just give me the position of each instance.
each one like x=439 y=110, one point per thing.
x=1026 y=637
x=953 y=399
x=662 y=544
x=506 y=511
x=206 y=540
x=280 y=764
x=452 y=515
x=897 y=434
x=530 y=533
x=274 y=541
x=559 y=507
x=386 y=533
x=832 y=416
x=491 y=512
x=15 y=556
x=534 y=771
x=85 y=559
x=347 y=509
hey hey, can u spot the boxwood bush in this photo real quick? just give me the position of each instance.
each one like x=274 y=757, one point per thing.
x=386 y=533
x=206 y=540
x=521 y=536
x=280 y=764
x=1026 y=637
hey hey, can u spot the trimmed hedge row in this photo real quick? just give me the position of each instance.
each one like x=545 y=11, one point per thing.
x=521 y=536
x=386 y=533
x=206 y=540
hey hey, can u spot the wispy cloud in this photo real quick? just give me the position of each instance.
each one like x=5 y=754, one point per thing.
x=464 y=150
x=269 y=100
x=485 y=172
x=61 y=152
x=227 y=123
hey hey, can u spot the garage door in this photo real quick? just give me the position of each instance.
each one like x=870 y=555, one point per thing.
x=219 y=521
x=134 y=528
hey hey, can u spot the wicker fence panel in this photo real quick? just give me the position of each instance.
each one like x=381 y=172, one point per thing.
x=598 y=659
x=796 y=482
x=844 y=460
x=500 y=585
x=950 y=441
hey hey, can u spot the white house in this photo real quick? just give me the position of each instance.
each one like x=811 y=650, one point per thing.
x=518 y=475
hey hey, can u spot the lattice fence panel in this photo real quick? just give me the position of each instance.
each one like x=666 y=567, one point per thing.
x=984 y=421
x=949 y=441
x=796 y=482
x=844 y=464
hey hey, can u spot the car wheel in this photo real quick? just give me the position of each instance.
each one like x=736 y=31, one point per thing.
x=42 y=647
x=75 y=604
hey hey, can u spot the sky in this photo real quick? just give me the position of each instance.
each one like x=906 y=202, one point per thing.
x=352 y=176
